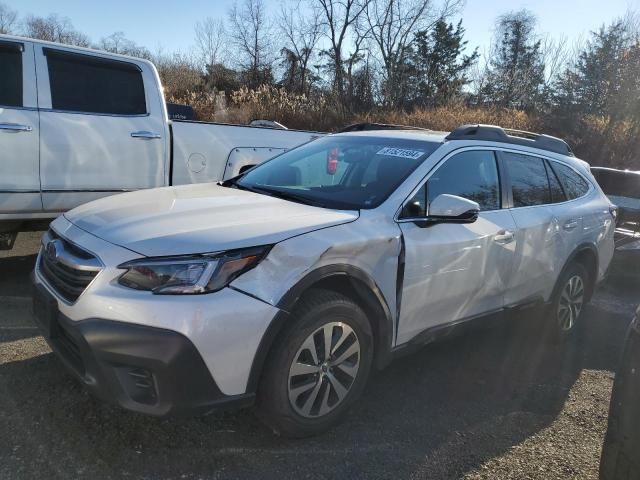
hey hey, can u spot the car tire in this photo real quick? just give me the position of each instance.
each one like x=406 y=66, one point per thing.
x=304 y=391
x=568 y=301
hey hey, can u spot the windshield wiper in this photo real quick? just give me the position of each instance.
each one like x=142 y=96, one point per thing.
x=274 y=193
x=288 y=196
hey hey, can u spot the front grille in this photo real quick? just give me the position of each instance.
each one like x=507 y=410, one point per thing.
x=65 y=267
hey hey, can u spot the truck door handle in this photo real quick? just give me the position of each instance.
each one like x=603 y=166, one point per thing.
x=570 y=224
x=145 y=135
x=14 y=127
x=503 y=237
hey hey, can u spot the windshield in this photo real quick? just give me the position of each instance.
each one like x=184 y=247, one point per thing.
x=343 y=172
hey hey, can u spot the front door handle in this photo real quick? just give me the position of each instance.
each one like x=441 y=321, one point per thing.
x=14 y=127
x=145 y=135
x=503 y=237
x=570 y=224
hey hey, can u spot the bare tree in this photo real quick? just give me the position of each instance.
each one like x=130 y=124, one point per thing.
x=211 y=38
x=179 y=73
x=8 y=19
x=251 y=32
x=54 y=29
x=339 y=18
x=555 y=57
x=392 y=25
x=301 y=32
x=118 y=43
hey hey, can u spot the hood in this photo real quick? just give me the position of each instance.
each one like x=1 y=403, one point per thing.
x=199 y=219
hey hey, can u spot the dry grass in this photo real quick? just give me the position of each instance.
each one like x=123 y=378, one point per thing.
x=600 y=141
x=452 y=116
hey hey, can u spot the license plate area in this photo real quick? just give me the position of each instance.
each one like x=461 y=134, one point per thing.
x=45 y=310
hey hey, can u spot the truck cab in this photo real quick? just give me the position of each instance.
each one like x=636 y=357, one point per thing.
x=78 y=124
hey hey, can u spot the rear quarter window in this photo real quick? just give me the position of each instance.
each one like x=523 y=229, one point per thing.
x=574 y=185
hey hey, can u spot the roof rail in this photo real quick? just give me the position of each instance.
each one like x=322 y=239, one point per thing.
x=366 y=126
x=493 y=133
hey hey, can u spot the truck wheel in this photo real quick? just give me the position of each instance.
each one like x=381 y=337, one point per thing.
x=318 y=368
x=568 y=301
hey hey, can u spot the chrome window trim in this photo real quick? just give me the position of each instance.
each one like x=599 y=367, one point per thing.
x=493 y=148
x=75 y=112
x=591 y=186
x=9 y=107
x=589 y=192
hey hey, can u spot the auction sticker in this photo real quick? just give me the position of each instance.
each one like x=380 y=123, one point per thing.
x=400 y=152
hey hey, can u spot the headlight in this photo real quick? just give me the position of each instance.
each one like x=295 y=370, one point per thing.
x=189 y=274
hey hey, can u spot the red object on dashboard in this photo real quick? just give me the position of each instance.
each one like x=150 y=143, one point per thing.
x=332 y=161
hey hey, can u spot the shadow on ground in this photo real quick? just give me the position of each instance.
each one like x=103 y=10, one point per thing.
x=435 y=414
x=14 y=275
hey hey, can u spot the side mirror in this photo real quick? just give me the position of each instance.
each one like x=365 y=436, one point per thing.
x=447 y=208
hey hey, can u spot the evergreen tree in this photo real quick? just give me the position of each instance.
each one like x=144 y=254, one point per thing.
x=516 y=67
x=605 y=79
x=439 y=66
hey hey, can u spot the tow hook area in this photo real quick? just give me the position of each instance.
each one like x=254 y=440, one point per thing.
x=7 y=240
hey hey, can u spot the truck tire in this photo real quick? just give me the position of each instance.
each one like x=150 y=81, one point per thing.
x=621 y=451
x=307 y=387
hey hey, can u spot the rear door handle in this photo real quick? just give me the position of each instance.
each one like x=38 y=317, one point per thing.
x=570 y=224
x=145 y=135
x=503 y=237
x=14 y=127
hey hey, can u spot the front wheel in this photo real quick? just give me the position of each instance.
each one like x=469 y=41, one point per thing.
x=319 y=366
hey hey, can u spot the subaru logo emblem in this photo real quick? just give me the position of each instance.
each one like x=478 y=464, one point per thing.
x=52 y=250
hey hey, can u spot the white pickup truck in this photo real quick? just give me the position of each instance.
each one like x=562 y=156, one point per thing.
x=78 y=124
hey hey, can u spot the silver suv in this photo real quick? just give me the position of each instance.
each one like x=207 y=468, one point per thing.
x=287 y=285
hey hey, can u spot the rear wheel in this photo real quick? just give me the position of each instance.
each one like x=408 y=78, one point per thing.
x=568 y=301
x=319 y=366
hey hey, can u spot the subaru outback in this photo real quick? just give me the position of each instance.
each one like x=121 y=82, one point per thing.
x=287 y=285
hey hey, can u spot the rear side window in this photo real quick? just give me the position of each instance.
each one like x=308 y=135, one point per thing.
x=557 y=193
x=11 y=75
x=528 y=177
x=80 y=83
x=574 y=185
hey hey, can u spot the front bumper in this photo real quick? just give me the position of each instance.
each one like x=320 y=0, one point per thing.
x=144 y=369
x=223 y=329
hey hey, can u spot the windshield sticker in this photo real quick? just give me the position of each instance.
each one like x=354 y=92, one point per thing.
x=401 y=152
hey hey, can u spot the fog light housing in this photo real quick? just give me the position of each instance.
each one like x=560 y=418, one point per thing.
x=138 y=383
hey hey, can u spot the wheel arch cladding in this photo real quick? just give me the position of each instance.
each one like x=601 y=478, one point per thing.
x=586 y=255
x=347 y=280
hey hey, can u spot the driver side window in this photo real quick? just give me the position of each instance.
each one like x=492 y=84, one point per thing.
x=472 y=175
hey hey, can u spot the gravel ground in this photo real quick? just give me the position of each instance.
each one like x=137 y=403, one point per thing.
x=495 y=403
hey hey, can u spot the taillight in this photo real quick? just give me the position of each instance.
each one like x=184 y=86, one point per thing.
x=332 y=161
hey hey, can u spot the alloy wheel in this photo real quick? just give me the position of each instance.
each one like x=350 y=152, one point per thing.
x=571 y=302
x=324 y=369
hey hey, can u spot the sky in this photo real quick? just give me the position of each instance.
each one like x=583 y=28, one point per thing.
x=168 y=25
